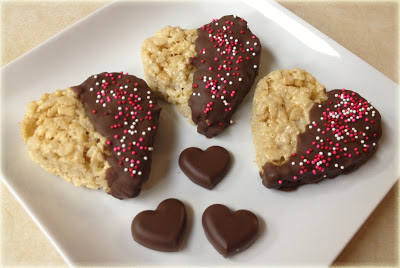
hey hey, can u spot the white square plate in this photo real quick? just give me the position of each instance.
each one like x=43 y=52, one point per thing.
x=307 y=226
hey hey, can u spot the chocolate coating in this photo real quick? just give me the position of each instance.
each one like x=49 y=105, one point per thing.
x=229 y=232
x=343 y=134
x=123 y=109
x=227 y=63
x=205 y=168
x=161 y=229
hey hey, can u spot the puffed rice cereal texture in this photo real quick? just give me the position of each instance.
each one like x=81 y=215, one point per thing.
x=60 y=137
x=280 y=112
x=167 y=69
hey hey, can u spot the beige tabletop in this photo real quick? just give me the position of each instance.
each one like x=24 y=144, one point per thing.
x=368 y=29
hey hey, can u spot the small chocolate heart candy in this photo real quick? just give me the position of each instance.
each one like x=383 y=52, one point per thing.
x=229 y=232
x=161 y=229
x=205 y=168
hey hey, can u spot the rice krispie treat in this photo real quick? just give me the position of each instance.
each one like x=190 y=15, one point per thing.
x=98 y=134
x=303 y=134
x=167 y=68
x=206 y=72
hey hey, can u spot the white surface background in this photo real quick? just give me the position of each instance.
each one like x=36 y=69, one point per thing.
x=310 y=225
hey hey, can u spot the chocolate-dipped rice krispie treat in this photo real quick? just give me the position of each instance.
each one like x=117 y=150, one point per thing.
x=303 y=134
x=206 y=72
x=98 y=134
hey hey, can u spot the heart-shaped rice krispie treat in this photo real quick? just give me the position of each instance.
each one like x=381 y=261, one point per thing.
x=206 y=72
x=303 y=134
x=98 y=134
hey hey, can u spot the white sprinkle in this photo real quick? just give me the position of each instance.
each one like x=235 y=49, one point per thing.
x=145 y=158
x=143 y=133
x=91 y=89
x=150 y=148
x=374 y=144
x=139 y=173
x=293 y=163
x=231 y=121
x=125 y=169
x=255 y=66
x=341 y=167
x=104 y=105
x=240 y=79
x=95 y=76
x=97 y=83
x=198 y=94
